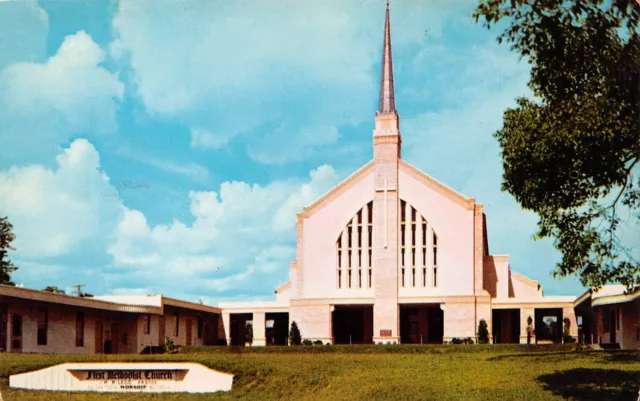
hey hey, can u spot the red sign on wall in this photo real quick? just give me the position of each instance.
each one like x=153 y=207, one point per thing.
x=385 y=333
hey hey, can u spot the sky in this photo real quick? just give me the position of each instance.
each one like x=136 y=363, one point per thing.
x=166 y=146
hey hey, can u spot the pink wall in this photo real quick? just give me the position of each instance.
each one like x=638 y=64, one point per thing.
x=320 y=232
x=453 y=224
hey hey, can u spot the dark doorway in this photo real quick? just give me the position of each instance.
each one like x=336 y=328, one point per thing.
x=548 y=323
x=277 y=328
x=98 y=341
x=352 y=324
x=506 y=326
x=4 y=309
x=421 y=324
x=238 y=323
x=16 y=333
x=612 y=330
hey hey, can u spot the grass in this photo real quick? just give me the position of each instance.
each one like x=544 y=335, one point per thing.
x=450 y=372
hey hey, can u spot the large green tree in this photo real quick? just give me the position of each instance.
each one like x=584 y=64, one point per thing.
x=571 y=152
x=6 y=237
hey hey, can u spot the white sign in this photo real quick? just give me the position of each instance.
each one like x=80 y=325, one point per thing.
x=146 y=377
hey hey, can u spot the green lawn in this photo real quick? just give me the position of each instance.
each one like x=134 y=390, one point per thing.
x=449 y=372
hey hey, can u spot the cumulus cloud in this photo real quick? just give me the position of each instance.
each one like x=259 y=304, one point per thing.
x=241 y=237
x=44 y=104
x=56 y=211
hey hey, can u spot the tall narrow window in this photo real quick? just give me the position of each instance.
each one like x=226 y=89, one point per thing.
x=146 y=322
x=424 y=233
x=435 y=256
x=349 y=231
x=43 y=323
x=80 y=329
x=435 y=276
x=177 y=315
x=360 y=216
x=413 y=235
x=359 y=278
x=370 y=212
x=403 y=276
x=349 y=278
x=349 y=257
x=359 y=236
x=402 y=235
x=435 y=239
x=403 y=209
x=413 y=256
x=359 y=257
x=370 y=235
x=339 y=258
x=369 y=278
x=424 y=256
x=402 y=256
x=413 y=214
x=370 y=256
x=424 y=276
x=339 y=278
x=413 y=277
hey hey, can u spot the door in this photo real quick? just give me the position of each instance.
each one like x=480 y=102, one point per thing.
x=16 y=333
x=99 y=338
x=189 y=328
x=161 y=328
x=115 y=337
x=612 y=331
x=3 y=326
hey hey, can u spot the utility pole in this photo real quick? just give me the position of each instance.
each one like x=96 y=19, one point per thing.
x=78 y=289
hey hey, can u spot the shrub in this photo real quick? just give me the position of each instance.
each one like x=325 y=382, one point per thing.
x=318 y=342
x=530 y=330
x=170 y=346
x=456 y=340
x=483 y=332
x=248 y=334
x=566 y=331
x=307 y=342
x=295 y=338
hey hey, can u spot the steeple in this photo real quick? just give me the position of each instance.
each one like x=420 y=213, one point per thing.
x=387 y=97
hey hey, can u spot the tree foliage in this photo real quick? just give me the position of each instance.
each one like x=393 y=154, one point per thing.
x=6 y=265
x=571 y=154
x=483 y=332
x=295 y=338
x=54 y=289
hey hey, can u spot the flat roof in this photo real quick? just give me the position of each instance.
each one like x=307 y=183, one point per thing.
x=153 y=304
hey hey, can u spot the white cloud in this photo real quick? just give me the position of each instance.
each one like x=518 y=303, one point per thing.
x=242 y=237
x=42 y=105
x=223 y=70
x=56 y=211
x=286 y=144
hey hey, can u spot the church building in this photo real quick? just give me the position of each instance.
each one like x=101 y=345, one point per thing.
x=391 y=255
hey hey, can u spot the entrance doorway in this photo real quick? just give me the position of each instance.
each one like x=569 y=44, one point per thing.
x=421 y=324
x=16 y=333
x=548 y=325
x=277 y=328
x=239 y=323
x=4 y=310
x=613 y=326
x=352 y=324
x=506 y=326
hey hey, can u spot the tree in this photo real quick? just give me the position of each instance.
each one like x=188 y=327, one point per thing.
x=569 y=154
x=295 y=338
x=530 y=331
x=6 y=237
x=54 y=289
x=483 y=332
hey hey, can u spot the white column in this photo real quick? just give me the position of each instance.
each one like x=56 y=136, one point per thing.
x=259 y=338
x=419 y=247
x=226 y=322
x=429 y=256
x=365 y=244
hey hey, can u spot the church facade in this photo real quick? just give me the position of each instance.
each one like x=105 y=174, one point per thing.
x=391 y=255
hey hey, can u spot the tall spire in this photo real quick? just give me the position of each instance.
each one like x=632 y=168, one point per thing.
x=387 y=97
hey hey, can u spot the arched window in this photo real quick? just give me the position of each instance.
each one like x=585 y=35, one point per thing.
x=418 y=250
x=417 y=241
x=354 y=251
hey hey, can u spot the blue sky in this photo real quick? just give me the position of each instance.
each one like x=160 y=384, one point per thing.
x=165 y=146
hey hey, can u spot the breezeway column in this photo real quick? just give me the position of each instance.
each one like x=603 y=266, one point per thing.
x=259 y=337
x=569 y=312
x=226 y=322
x=524 y=314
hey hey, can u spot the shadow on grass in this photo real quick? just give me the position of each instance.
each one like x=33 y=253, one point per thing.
x=593 y=384
x=630 y=356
